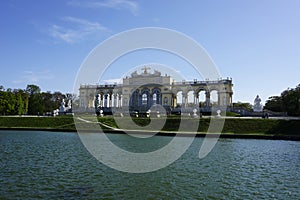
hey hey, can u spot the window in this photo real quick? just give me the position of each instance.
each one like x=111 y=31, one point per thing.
x=154 y=98
x=144 y=99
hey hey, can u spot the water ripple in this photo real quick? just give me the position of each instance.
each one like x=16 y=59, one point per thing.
x=51 y=165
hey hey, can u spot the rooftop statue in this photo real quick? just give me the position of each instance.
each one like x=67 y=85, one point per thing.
x=146 y=70
x=134 y=74
x=157 y=73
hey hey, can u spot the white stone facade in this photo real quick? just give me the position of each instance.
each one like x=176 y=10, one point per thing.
x=141 y=91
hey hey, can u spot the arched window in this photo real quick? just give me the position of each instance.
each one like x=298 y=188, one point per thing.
x=144 y=99
x=154 y=98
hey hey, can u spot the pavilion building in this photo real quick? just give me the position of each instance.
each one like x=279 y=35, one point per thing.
x=140 y=92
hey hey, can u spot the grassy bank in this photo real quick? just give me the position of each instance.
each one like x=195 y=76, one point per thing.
x=60 y=123
x=231 y=126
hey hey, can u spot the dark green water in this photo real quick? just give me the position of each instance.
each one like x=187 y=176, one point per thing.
x=55 y=165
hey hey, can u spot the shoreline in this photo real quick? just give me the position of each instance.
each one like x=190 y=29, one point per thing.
x=252 y=128
x=171 y=133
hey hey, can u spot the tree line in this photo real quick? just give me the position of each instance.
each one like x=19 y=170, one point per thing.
x=288 y=101
x=30 y=101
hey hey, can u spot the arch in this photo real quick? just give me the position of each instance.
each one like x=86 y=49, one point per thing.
x=201 y=98
x=156 y=96
x=144 y=99
x=214 y=97
x=178 y=99
x=190 y=98
x=177 y=89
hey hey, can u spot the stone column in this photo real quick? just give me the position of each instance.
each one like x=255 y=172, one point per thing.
x=101 y=100
x=174 y=100
x=184 y=99
x=110 y=100
x=207 y=96
x=220 y=98
x=105 y=100
x=196 y=99
x=115 y=100
x=119 y=100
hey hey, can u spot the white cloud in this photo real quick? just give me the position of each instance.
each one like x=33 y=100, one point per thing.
x=34 y=76
x=132 y=6
x=75 y=30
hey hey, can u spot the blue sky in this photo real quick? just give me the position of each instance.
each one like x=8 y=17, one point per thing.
x=257 y=43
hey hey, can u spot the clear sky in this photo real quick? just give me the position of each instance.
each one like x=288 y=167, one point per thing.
x=257 y=43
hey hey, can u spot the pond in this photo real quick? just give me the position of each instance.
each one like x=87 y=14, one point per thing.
x=55 y=165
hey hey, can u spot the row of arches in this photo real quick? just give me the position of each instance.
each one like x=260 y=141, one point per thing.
x=191 y=94
x=191 y=98
x=145 y=98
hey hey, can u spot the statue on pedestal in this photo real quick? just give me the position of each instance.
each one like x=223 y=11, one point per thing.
x=69 y=104
x=219 y=113
x=62 y=107
x=195 y=113
x=98 y=110
x=257 y=106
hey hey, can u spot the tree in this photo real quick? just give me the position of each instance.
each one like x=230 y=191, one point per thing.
x=57 y=98
x=30 y=101
x=33 y=89
x=3 y=102
x=7 y=102
x=274 y=103
x=25 y=98
x=21 y=101
x=241 y=105
x=48 y=104
x=20 y=104
x=288 y=101
x=35 y=101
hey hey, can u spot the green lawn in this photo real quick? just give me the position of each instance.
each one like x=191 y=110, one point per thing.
x=232 y=125
x=61 y=122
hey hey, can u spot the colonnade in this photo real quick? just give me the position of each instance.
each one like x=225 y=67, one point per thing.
x=223 y=99
x=108 y=100
x=144 y=96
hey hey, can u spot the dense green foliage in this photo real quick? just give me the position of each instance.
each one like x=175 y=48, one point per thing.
x=246 y=106
x=13 y=102
x=30 y=101
x=288 y=101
